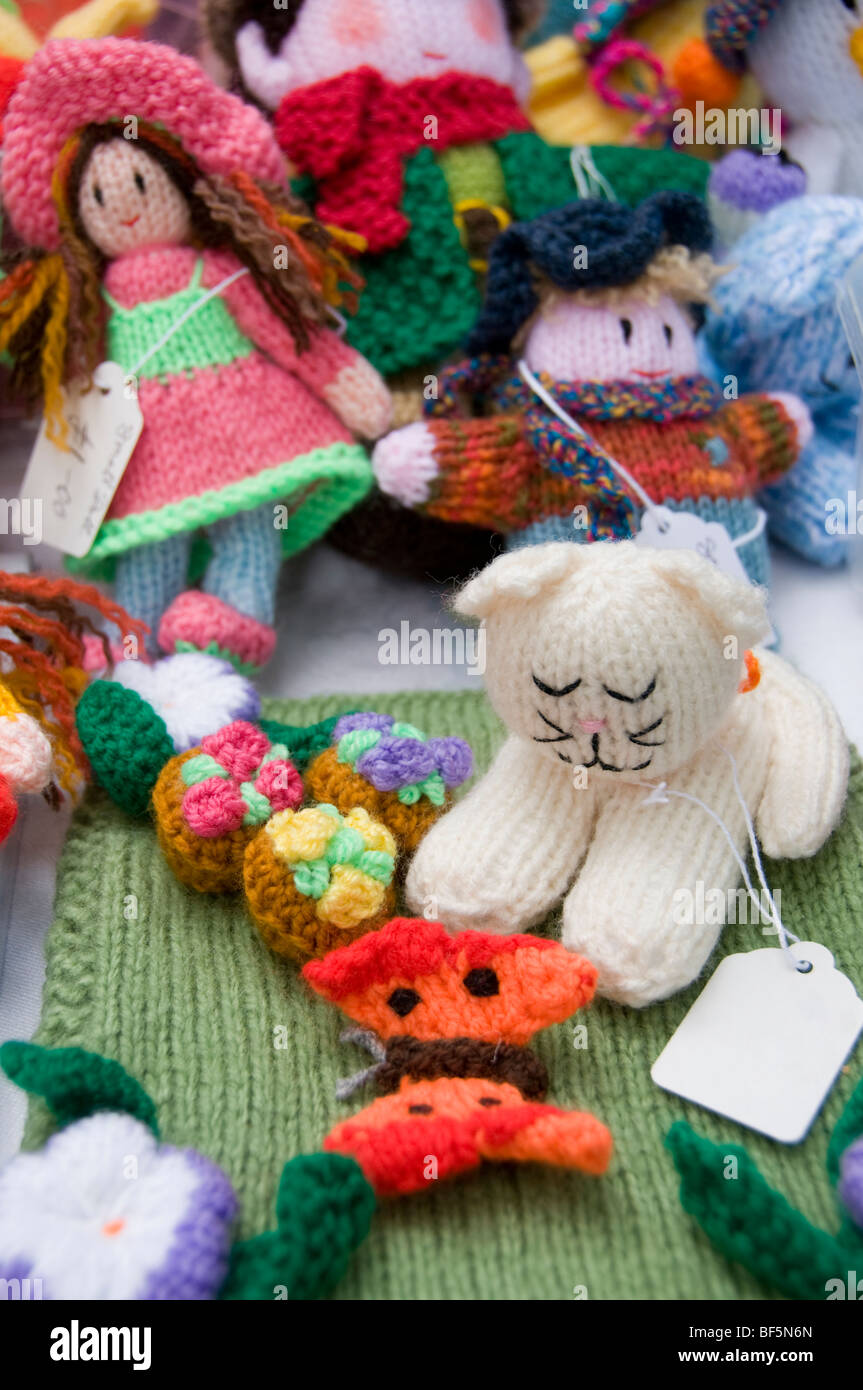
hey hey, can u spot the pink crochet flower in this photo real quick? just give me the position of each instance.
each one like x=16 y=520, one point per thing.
x=238 y=778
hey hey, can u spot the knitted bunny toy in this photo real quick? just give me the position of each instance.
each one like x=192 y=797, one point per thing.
x=597 y=295
x=807 y=57
x=617 y=670
x=149 y=191
x=774 y=325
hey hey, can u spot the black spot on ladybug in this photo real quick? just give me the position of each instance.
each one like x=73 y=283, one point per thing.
x=482 y=983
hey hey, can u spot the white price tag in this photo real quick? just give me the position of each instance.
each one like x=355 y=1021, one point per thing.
x=663 y=529
x=763 y=1043
x=75 y=488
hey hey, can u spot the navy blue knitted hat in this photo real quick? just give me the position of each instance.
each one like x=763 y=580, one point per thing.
x=620 y=242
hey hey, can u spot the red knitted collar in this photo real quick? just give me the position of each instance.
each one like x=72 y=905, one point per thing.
x=353 y=132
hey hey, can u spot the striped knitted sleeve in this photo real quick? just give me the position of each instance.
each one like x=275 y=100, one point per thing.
x=765 y=435
x=485 y=472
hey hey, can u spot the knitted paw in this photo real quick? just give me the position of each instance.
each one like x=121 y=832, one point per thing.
x=201 y=622
x=361 y=400
x=315 y=879
x=401 y=777
x=438 y=1129
x=211 y=801
x=406 y=465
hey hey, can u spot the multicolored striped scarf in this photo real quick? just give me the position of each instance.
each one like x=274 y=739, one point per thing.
x=487 y=384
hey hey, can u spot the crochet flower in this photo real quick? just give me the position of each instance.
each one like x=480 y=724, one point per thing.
x=315 y=879
x=211 y=801
x=392 y=769
x=104 y=1211
x=238 y=779
x=193 y=693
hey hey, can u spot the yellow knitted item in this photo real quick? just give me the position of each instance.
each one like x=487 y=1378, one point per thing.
x=316 y=880
x=95 y=20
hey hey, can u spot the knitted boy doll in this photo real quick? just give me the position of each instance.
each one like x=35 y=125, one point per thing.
x=153 y=205
x=593 y=298
x=775 y=325
x=405 y=121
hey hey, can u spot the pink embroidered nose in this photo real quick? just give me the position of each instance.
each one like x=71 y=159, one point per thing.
x=592 y=726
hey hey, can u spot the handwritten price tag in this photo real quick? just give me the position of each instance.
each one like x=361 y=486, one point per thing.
x=75 y=485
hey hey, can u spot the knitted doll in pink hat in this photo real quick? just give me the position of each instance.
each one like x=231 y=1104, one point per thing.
x=140 y=188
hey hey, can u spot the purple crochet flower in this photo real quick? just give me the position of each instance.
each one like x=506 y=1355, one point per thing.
x=851 y=1181
x=363 y=720
x=754 y=182
x=396 y=762
x=453 y=759
x=104 y=1211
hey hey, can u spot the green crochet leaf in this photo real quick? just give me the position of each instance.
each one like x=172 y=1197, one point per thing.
x=345 y=847
x=748 y=1221
x=377 y=864
x=352 y=745
x=313 y=878
x=245 y=668
x=75 y=1083
x=324 y=1208
x=304 y=741
x=849 y=1127
x=260 y=810
x=126 y=741
x=200 y=768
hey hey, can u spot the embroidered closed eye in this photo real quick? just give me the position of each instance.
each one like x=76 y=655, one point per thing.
x=550 y=690
x=631 y=699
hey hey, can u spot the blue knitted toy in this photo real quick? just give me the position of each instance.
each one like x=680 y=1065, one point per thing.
x=776 y=327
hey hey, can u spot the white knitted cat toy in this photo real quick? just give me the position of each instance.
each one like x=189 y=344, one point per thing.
x=616 y=669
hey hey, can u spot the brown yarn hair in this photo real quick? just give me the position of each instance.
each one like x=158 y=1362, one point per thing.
x=52 y=315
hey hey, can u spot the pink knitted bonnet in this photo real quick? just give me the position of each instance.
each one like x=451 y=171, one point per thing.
x=71 y=83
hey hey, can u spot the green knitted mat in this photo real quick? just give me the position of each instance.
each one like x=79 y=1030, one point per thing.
x=187 y=998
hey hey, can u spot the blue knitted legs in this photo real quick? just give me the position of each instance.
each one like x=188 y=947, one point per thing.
x=244 y=569
x=149 y=578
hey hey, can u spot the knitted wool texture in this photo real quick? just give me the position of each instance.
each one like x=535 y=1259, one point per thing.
x=751 y=1222
x=478 y=993
x=608 y=664
x=243 y=1061
x=210 y=802
x=315 y=880
x=323 y=1205
x=72 y=82
x=776 y=327
x=400 y=777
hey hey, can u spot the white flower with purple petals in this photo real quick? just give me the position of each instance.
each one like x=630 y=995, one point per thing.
x=193 y=692
x=104 y=1211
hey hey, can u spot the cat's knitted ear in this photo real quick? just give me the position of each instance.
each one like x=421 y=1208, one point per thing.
x=738 y=608
x=520 y=575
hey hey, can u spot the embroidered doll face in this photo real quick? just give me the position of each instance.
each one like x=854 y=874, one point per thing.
x=126 y=200
x=307 y=42
x=631 y=340
x=571 y=668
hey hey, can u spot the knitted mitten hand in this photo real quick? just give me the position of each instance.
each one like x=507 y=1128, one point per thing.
x=360 y=398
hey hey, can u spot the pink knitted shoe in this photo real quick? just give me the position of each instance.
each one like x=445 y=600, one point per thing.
x=201 y=622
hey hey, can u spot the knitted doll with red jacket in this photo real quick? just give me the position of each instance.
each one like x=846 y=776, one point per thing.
x=161 y=234
x=593 y=299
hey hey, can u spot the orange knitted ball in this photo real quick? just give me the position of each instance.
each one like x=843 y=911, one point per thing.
x=211 y=865
x=698 y=76
x=315 y=881
x=329 y=780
